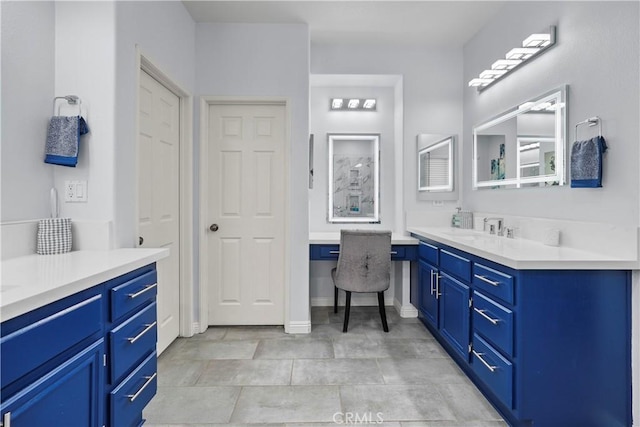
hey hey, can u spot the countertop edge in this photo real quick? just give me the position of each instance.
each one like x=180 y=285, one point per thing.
x=39 y=299
x=542 y=264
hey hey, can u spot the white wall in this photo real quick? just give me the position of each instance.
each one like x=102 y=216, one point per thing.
x=599 y=61
x=593 y=57
x=85 y=66
x=323 y=121
x=432 y=94
x=27 y=34
x=268 y=60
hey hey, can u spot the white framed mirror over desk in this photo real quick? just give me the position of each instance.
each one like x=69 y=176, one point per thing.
x=354 y=178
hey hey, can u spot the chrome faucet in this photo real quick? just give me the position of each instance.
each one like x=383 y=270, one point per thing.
x=499 y=222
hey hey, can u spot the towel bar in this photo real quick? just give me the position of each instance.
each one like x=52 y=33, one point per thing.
x=591 y=121
x=71 y=100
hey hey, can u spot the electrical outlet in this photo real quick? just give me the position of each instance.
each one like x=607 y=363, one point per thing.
x=75 y=191
x=438 y=203
x=69 y=191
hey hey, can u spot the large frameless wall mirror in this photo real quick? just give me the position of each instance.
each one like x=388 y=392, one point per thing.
x=435 y=163
x=523 y=147
x=354 y=183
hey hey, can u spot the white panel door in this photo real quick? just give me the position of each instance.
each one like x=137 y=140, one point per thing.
x=246 y=207
x=158 y=194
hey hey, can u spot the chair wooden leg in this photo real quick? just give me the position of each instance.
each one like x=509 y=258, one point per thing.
x=383 y=313
x=335 y=299
x=347 y=308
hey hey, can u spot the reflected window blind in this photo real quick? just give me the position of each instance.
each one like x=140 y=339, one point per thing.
x=435 y=171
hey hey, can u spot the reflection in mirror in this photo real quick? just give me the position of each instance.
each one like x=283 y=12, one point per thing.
x=435 y=163
x=353 y=178
x=524 y=147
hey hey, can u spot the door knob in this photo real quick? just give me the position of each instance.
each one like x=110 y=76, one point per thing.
x=140 y=240
x=213 y=227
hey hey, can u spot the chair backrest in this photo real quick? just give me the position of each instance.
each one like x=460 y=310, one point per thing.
x=364 y=263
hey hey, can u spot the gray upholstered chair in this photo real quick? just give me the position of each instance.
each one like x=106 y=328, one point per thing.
x=364 y=265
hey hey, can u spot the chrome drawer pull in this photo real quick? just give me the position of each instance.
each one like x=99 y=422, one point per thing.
x=431 y=273
x=484 y=279
x=6 y=420
x=133 y=397
x=482 y=313
x=145 y=289
x=484 y=362
x=394 y=252
x=149 y=326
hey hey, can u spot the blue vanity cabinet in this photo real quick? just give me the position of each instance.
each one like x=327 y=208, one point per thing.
x=443 y=297
x=428 y=275
x=546 y=347
x=428 y=307
x=80 y=360
x=68 y=395
x=131 y=335
x=454 y=313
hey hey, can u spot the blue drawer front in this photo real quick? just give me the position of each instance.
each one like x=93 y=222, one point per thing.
x=493 y=282
x=129 y=399
x=404 y=252
x=132 y=341
x=428 y=253
x=324 y=252
x=29 y=347
x=456 y=265
x=494 y=322
x=132 y=294
x=493 y=369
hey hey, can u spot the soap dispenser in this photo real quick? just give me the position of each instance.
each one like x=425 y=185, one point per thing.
x=456 y=221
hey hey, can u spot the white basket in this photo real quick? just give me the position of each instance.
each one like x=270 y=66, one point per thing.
x=54 y=236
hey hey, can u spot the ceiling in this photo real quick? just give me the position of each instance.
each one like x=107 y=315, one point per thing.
x=447 y=24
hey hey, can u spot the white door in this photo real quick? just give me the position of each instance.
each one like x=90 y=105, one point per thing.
x=246 y=207
x=158 y=195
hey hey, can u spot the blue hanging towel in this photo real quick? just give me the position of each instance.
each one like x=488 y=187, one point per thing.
x=63 y=140
x=586 y=162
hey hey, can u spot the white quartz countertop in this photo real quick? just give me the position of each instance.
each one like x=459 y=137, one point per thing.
x=333 y=238
x=32 y=281
x=523 y=254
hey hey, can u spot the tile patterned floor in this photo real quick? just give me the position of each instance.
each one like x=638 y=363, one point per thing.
x=260 y=376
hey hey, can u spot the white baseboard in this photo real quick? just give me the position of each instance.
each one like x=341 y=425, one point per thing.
x=406 y=311
x=298 y=327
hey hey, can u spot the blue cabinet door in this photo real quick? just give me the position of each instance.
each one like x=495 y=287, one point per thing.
x=69 y=395
x=455 y=314
x=428 y=293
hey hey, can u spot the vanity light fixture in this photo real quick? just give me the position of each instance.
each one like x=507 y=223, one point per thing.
x=353 y=104
x=532 y=46
x=369 y=104
x=336 y=103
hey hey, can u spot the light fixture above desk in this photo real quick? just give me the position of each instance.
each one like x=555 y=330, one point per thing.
x=353 y=104
x=532 y=47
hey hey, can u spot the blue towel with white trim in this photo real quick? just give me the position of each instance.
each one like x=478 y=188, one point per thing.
x=586 y=162
x=63 y=140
